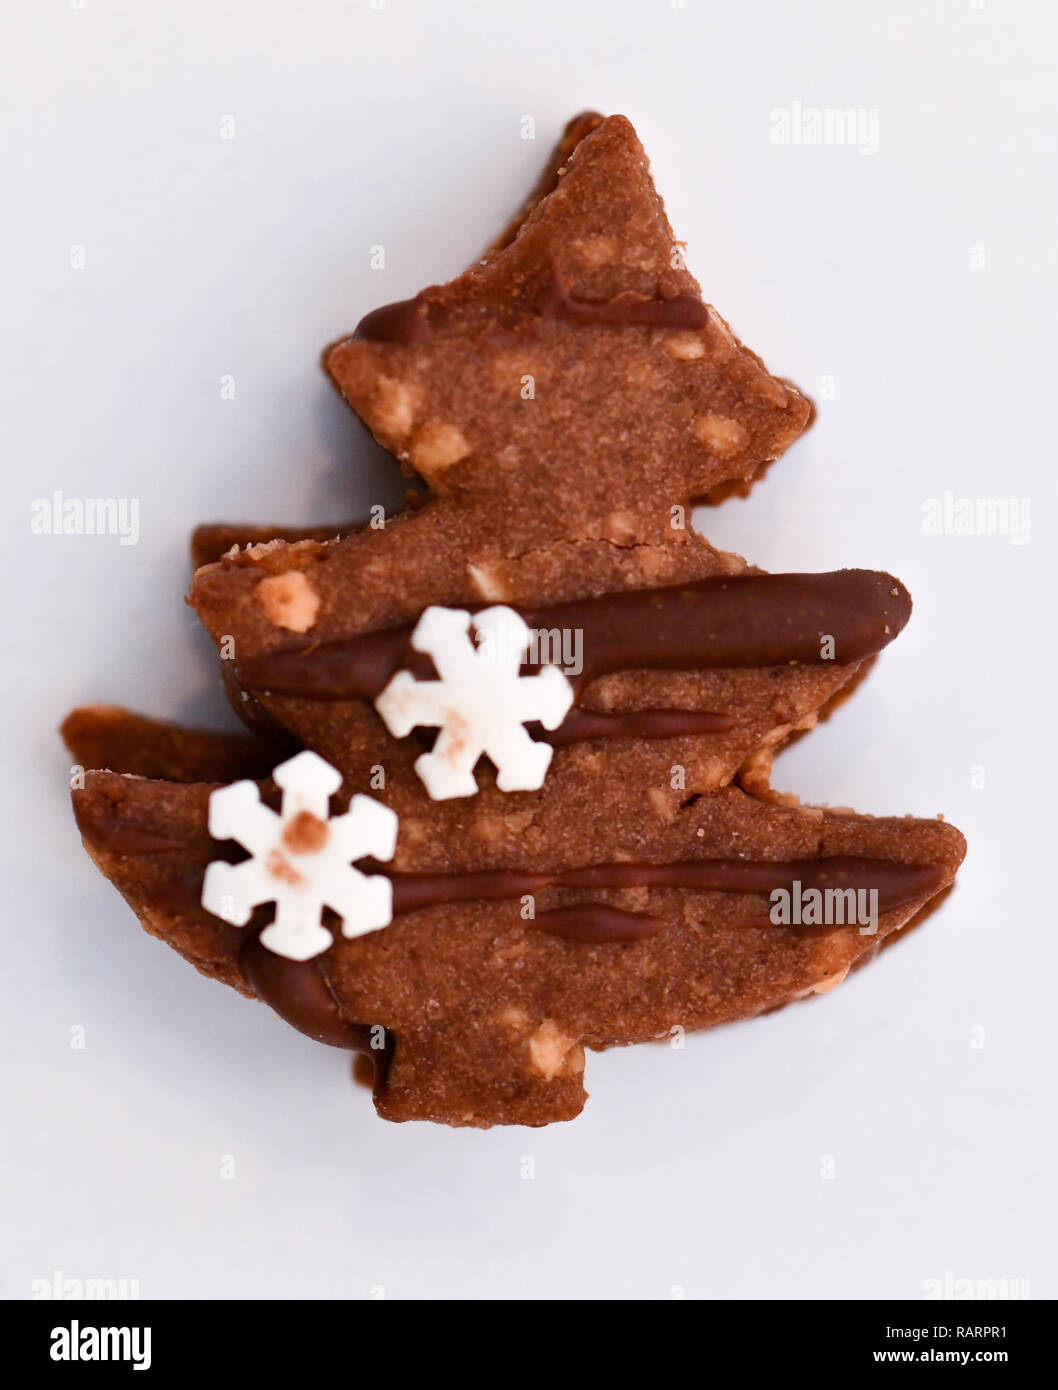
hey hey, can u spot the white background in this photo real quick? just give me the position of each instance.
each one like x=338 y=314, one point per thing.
x=205 y=257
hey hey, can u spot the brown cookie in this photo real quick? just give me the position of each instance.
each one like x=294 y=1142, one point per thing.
x=574 y=133
x=552 y=855
x=573 y=383
x=486 y=1012
x=531 y=535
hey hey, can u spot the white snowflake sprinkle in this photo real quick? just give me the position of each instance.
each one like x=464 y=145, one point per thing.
x=301 y=859
x=480 y=703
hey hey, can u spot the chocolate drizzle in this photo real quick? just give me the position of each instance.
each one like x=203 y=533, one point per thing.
x=896 y=884
x=409 y=322
x=649 y=723
x=734 y=621
x=298 y=991
x=406 y=321
x=598 y=923
x=630 y=308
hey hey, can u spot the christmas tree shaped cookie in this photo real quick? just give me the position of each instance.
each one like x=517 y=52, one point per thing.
x=506 y=730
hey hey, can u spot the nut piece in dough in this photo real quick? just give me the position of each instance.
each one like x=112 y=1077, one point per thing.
x=289 y=600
